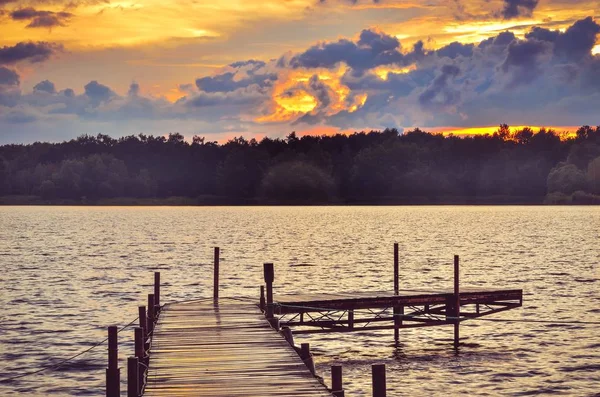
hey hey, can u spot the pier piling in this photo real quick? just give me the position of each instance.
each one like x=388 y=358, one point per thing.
x=337 y=388
x=379 y=387
x=143 y=324
x=288 y=335
x=269 y=274
x=113 y=379
x=150 y=315
x=306 y=356
x=133 y=387
x=397 y=318
x=216 y=274
x=157 y=289
x=456 y=303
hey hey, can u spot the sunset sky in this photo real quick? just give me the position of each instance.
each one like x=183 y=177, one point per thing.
x=265 y=68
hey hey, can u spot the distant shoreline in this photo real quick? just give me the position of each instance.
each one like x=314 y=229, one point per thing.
x=176 y=201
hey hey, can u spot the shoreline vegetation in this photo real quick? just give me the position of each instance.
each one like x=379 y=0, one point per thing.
x=581 y=198
x=509 y=167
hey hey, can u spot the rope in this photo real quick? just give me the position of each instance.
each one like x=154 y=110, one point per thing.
x=54 y=366
x=499 y=320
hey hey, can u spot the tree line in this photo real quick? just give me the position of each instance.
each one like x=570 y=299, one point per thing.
x=509 y=166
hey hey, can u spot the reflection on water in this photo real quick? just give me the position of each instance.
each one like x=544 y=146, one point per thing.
x=67 y=273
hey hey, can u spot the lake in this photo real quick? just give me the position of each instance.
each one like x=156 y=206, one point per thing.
x=69 y=272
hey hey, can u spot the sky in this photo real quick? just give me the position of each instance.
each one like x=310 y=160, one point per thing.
x=252 y=68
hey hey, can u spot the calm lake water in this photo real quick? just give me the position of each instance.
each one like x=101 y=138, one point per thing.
x=68 y=272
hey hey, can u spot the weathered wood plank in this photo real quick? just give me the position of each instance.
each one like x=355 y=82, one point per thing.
x=225 y=349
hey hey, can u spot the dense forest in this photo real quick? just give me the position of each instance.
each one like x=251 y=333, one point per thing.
x=509 y=166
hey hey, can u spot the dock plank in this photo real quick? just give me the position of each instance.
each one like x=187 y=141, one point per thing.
x=224 y=349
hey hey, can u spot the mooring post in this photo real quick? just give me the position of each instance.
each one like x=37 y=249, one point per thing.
x=379 y=388
x=456 y=302
x=157 y=289
x=337 y=388
x=288 y=335
x=140 y=353
x=396 y=270
x=307 y=357
x=143 y=323
x=269 y=274
x=397 y=318
x=113 y=378
x=216 y=274
x=133 y=386
x=351 y=320
x=150 y=318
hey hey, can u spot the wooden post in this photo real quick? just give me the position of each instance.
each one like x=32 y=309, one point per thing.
x=150 y=318
x=379 y=388
x=113 y=378
x=288 y=335
x=262 y=298
x=337 y=388
x=143 y=323
x=398 y=313
x=397 y=318
x=216 y=275
x=396 y=270
x=156 y=288
x=140 y=353
x=133 y=386
x=456 y=302
x=351 y=319
x=269 y=274
x=307 y=357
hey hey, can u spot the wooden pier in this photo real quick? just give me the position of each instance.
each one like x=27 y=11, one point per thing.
x=230 y=347
x=224 y=349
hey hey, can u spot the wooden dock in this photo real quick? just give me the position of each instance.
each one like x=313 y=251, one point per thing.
x=232 y=347
x=362 y=311
x=224 y=349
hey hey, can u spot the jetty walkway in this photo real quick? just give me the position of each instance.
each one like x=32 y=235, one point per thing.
x=224 y=349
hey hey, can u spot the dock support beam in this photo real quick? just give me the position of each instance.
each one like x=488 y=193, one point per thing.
x=337 y=388
x=456 y=302
x=216 y=274
x=113 y=378
x=379 y=387
x=133 y=386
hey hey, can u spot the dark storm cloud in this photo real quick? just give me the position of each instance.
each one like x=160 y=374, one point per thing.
x=456 y=49
x=8 y=77
x=523 y=60
x=40 y=18
x=439 y=94
x=45 y=86
x=98 y=92
x=32 y=52
x=246 y=73
x=518 y=8
x=371 y=50
x=576 y=42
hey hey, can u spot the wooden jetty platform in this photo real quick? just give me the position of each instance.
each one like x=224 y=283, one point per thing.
x=225 y=348
x=229 y=347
